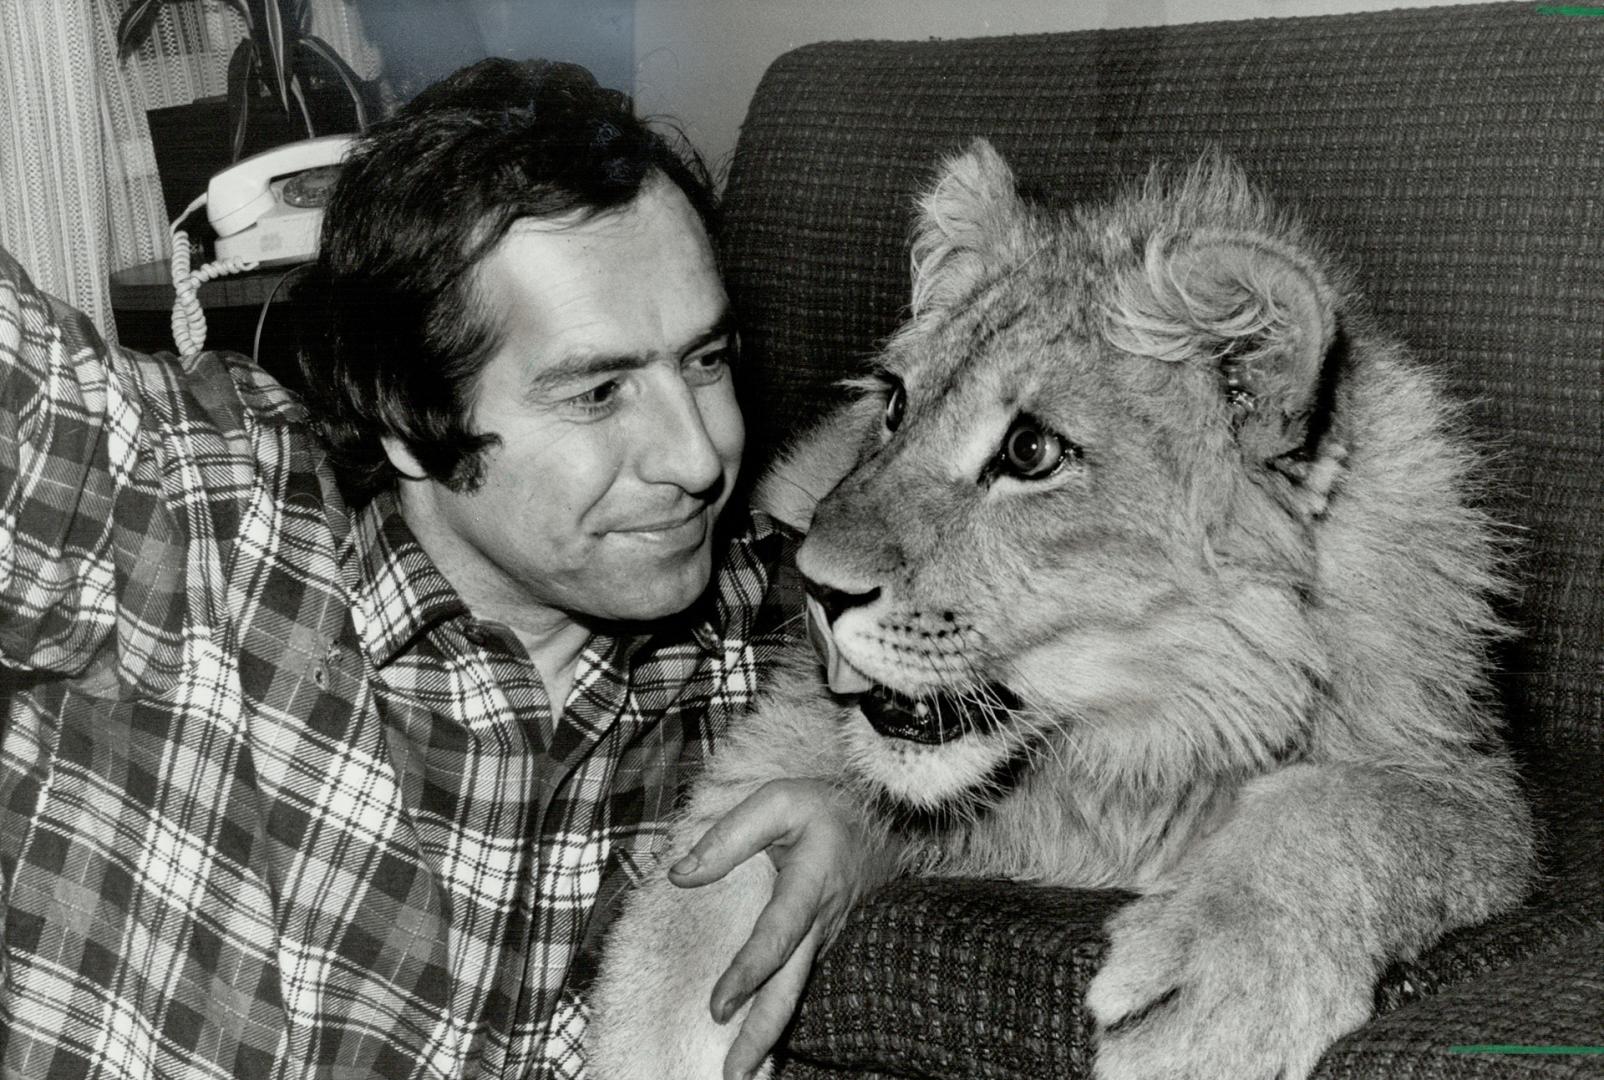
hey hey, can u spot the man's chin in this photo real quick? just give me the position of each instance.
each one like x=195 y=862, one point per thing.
x=662 y=593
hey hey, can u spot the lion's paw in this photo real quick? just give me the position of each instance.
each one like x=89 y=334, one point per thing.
x=1216 y=984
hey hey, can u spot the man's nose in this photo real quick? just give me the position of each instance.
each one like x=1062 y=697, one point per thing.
x=682 y=451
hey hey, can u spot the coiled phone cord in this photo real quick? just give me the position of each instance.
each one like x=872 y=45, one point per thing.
x=189 y=320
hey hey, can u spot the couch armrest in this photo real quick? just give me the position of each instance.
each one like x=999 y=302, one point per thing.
x=983 y=980
x=956 y=978
x=1552 y=998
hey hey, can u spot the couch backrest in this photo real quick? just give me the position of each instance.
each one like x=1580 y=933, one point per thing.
x=1453 y=155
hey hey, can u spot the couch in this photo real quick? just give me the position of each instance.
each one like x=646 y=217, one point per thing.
x=1455 y=157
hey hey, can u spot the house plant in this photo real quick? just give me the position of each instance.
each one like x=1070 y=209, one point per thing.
x=279 y=66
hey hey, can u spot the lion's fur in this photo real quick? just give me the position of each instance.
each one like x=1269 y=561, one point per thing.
x=1245 y=626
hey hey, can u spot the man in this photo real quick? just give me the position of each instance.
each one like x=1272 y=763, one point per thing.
x=321 y=754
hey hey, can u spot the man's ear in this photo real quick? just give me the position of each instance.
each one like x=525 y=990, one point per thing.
x=402 y=459
x=969 y=221
x=1261 y=316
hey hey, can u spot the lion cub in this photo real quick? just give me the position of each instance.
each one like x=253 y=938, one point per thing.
x=1149 y=565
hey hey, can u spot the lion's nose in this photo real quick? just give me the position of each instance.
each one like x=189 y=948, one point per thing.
x=835 y=601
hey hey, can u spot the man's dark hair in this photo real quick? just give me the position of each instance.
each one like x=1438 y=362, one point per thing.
x=425 y=196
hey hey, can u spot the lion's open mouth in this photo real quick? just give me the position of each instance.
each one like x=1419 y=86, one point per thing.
x=932 y=719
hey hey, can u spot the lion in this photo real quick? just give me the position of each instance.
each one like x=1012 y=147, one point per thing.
x=1144 y=560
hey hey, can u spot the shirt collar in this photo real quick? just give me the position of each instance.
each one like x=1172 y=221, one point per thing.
x=400 y=593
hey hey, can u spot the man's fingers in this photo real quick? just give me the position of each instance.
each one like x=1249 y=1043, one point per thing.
x=761 y=819
x=771 y=1011
x=788 y=918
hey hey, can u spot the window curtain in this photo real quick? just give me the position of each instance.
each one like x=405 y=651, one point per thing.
x=79 y=195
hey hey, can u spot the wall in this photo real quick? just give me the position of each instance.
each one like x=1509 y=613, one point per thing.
x=596 y=33
x=700 y=60
x=422 y=40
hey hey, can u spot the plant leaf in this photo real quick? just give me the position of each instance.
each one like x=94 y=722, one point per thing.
x=241 y=88
x=135 y=25
x=300 y=99
x=274 y=30
x=353 y=85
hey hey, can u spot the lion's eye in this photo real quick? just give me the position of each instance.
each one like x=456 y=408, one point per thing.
x=1030 y=451
x=895 y=404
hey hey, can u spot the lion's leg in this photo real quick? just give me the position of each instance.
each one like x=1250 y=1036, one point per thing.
x=650 y=1005
x=1263 y=946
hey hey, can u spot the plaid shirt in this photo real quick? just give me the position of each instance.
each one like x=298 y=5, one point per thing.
x=273 y=803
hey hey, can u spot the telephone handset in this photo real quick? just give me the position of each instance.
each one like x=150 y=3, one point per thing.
x=266 y=209
x=263 y=212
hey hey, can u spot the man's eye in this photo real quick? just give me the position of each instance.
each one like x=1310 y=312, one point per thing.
x=708 y=367
x=598 y=398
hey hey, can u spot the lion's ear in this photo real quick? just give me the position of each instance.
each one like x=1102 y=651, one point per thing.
x=1260 y=315
x=969 y=220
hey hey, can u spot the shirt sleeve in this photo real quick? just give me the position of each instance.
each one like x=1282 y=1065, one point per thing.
x=68 y=434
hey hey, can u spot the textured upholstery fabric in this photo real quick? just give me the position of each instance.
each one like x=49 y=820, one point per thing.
x=1454 y=156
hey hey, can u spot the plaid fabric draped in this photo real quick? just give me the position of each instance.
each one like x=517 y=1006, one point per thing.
x=273 y=803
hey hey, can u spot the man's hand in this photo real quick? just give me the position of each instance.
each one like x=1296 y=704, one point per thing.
x=823 y=863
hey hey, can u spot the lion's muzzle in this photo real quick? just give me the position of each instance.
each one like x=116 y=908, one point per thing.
x=929 y=719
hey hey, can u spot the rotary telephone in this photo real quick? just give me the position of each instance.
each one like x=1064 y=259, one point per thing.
x=266 y=210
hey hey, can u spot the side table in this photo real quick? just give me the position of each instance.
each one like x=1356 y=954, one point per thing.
x=142 y=304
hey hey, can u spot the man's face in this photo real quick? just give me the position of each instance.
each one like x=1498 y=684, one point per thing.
x=620 y=435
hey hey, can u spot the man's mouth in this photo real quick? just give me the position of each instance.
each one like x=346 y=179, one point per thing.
x=683 y=532
x=932 y=719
